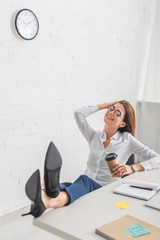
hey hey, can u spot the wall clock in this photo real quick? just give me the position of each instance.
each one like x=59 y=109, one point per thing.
x=26 y=24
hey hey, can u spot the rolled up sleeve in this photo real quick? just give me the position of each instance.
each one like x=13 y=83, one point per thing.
x=80 y=117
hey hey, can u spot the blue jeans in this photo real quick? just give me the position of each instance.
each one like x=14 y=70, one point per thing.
x=80 y=187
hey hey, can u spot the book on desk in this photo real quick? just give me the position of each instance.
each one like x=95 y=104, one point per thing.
x=138 y=189
x=116 y=230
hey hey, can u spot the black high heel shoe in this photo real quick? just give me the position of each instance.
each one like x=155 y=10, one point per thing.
x=52 y=167
x=33 y=192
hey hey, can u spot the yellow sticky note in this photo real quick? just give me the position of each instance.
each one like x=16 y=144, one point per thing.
x=127 y=203
x=122 y=205
x=117 y=203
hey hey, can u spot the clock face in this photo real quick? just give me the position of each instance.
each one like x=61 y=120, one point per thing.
x=26 y=24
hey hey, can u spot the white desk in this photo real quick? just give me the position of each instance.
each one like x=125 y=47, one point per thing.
x=80 y=219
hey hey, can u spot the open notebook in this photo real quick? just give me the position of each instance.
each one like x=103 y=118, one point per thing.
x=138 y=189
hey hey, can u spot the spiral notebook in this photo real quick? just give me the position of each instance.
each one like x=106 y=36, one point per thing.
x=138 y=189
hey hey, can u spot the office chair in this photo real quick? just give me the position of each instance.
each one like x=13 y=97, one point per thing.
x=131 y=160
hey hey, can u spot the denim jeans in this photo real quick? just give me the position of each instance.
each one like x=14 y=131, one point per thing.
x=80 y=187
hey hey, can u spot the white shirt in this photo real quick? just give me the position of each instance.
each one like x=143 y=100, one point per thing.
x=123 y=144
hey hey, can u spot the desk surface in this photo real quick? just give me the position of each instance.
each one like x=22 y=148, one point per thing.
x=80 y=219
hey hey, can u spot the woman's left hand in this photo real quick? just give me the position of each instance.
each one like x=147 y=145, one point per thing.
x=120 y=170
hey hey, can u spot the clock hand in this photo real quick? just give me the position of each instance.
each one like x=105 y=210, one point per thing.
x=31 y=21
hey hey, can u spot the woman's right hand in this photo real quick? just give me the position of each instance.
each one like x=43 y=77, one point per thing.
x=105 y=105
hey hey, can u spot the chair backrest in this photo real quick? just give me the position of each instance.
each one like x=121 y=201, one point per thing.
x=131 y=160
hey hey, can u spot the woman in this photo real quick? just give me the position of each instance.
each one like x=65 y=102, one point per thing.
x=117 y=137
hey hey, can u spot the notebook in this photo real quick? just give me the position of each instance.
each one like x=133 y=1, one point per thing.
x=138 y=189
x=154 y=202
x=116 y=229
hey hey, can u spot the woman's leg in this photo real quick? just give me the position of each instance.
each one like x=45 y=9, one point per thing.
x=70 y=192
x=80 y=187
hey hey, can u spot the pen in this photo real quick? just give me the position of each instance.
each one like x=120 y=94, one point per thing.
x=150 y=189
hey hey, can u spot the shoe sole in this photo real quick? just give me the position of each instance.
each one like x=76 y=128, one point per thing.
x=33 y=191
x=52 y=167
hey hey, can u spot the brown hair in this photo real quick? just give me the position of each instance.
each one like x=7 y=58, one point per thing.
x=129 y=118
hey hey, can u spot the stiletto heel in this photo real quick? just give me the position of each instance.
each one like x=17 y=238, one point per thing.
x=33 y=209
x=33 y=192
x=25 y=214
x=52 y=167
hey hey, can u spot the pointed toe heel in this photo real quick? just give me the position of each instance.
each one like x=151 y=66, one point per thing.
x=33 y=192
x=52 y=168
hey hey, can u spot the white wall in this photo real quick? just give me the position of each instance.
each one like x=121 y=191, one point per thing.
x=86 y=52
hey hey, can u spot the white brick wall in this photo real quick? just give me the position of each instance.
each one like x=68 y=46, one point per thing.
x=86 y=52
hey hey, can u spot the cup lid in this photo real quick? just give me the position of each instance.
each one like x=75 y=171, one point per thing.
x=111 y=156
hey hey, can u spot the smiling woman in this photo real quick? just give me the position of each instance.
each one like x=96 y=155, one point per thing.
x=124 y=110
x=114 y=118
x=116 y=137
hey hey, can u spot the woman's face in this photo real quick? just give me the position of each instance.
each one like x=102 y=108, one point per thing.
x=115 y=115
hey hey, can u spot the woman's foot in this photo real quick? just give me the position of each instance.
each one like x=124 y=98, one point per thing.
x=61 y=200
x=45 y=198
